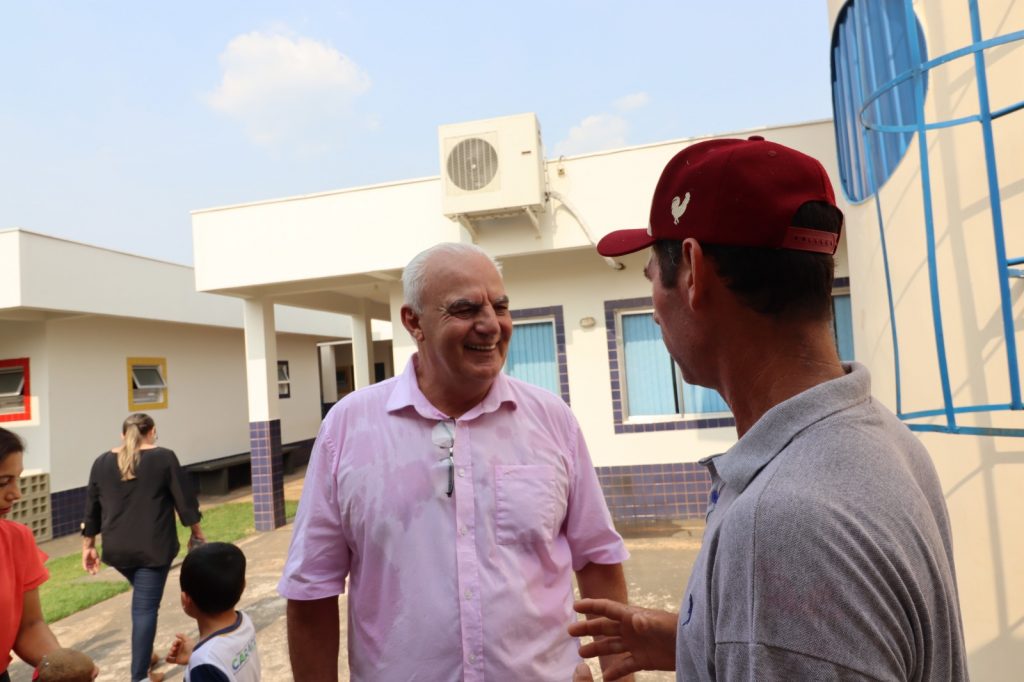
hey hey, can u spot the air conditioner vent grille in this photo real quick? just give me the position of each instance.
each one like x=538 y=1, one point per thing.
x=472 y=164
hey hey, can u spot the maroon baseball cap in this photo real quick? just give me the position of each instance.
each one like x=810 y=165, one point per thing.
x=736 y=193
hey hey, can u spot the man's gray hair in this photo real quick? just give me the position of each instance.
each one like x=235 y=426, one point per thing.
x=415 y=273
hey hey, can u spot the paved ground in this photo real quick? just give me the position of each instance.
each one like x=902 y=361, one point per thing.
x=661 y=561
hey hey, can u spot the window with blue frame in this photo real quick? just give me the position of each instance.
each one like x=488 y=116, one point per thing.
x=532 y=354
x=842 y=326
x=871 y=48
x=653 y=385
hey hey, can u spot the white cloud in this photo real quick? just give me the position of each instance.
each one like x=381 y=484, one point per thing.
x=636 y=100
x=604 y=130
x=600 y=131
x=288 y=90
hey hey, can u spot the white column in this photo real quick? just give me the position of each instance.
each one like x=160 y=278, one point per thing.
x=260 y=359
x=266 y=463
x=362 y=348
x=328 y=374
x=402 y=345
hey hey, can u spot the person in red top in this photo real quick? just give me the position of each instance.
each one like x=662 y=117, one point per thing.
x=22 y=628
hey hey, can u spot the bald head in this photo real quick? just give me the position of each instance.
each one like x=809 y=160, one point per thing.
x=416 y=273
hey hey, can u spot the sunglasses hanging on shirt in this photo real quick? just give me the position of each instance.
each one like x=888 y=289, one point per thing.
x=443 y=436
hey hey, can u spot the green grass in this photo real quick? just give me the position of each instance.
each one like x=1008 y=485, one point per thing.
x=229 y=523
x=61 y=595
x=65 y=593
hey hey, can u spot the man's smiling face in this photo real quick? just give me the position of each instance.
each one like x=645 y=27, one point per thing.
x=465 y=325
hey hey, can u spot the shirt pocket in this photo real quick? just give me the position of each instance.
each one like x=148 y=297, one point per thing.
x=525 y=503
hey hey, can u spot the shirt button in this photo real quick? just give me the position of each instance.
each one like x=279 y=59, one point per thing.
x=462 y=472
x=469 y=594
x=463 y=530
x=472 y=658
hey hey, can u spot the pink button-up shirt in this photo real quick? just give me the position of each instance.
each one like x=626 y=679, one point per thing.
x=476 y=586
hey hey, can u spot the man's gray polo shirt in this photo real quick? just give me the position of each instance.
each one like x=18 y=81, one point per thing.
x=827 y=553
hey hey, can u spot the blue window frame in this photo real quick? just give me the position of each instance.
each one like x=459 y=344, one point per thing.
x=536 y=353
x=654 y=386
x=636 y=356
x=871 y=47
x=650 y=379
x=532 y=356
x=842 y=326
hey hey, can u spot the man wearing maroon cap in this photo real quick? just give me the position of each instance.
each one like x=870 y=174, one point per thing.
x=827 y=553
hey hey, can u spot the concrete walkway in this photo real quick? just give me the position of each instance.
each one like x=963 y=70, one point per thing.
x=656 y=573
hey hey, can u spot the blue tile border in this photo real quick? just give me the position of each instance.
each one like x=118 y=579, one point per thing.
x=655 y=492
x=267 y=466
x=67 y=508
x=634 y=493
x=555 y=312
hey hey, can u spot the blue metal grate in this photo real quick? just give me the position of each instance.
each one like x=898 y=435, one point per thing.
x=875 y=121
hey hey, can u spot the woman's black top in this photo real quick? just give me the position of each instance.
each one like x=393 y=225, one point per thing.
x=136 y=517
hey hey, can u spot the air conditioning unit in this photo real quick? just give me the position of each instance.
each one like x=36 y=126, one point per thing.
x=492 y=167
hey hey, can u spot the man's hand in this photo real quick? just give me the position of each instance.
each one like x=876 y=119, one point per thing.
x=582 y=673
x=645 y=637
x=181 y=649
x=90 y=560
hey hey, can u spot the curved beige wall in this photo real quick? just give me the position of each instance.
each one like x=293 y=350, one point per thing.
x=983 y=476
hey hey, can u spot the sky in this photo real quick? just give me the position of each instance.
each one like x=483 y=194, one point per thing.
x=119 y=118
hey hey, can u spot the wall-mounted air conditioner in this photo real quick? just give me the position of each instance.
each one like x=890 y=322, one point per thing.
x=492 y=167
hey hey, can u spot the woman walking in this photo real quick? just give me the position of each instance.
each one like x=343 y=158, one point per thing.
x=133 y=492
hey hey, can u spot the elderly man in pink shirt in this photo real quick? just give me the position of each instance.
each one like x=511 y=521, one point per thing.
x=457 y=500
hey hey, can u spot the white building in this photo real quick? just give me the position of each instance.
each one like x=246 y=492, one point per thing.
x=89 y=335
x=583 y=324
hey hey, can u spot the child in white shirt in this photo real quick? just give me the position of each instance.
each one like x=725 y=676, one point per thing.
x=212 y=581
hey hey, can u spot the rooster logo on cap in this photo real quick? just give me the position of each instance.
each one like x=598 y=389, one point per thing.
x=679 y=207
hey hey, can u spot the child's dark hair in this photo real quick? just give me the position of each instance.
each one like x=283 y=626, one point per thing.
x=213 y=576
x=10 y=443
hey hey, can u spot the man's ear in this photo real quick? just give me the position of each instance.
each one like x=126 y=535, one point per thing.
x=693 y=271
x=411 y=322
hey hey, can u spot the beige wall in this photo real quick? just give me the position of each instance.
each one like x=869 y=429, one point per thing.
x=608 y=191
x=41 y=273
x=581 y=282
x=613 y=189
x=78 y=372
x=277 y=234
x=28 y=340
x=300 y=414
x=983 y=476
x=381 y=353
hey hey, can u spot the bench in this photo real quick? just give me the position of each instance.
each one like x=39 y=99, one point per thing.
x=220 y=476
x=215 y=476
x=295 y=455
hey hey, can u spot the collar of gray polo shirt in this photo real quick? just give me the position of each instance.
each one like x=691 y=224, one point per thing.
x=738 y=465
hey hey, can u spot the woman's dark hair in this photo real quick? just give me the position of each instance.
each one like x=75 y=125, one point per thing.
x=10 y=444
x=775 y=282
x=213 y=576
